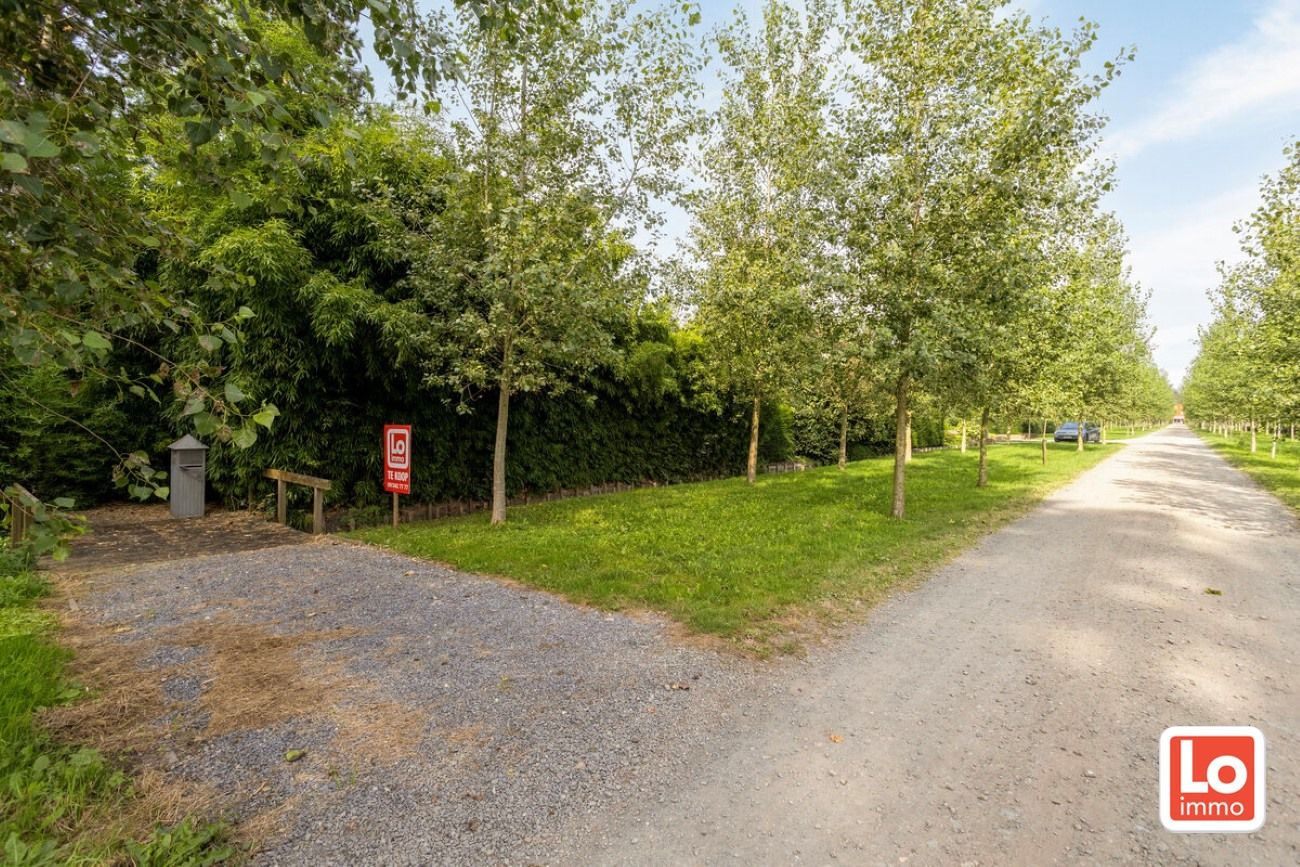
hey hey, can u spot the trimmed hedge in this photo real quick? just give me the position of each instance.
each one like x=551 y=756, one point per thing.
x=817 y=436
x=331 y=423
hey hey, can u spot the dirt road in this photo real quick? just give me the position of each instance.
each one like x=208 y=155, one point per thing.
x=1008 y=712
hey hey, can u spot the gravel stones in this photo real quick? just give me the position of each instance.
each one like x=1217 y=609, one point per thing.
x=454 y=718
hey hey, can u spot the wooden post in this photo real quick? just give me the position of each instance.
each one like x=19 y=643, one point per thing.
x=317 y=511
x=20 y=519
x=283 y=479
x=395 y=515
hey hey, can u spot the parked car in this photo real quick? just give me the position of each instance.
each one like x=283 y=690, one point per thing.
x=1068 y=432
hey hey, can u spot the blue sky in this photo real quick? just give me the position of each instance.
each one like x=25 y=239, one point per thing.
x=1195 y=122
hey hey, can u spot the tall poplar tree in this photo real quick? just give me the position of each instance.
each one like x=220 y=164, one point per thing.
x=567 y=122
x=758 y=218
x=947 y=113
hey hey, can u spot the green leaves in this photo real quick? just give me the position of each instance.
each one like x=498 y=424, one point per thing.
x=13 y=132
x=29 y=136
x=759 y=218
x=39 y=146
x=530 y=266
x=1248 y=363
x=205 y=423
x=95 y=341
x=199 y=132
x=266 y=416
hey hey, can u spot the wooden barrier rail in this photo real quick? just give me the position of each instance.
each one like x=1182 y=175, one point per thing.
x=284 y=478
x=20 y=516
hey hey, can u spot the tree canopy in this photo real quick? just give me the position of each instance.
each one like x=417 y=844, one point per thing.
x=1247 y=368
x=894 y=218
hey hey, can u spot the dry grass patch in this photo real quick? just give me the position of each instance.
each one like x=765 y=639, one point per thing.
x=253 y=678
x=122 y=713
x=257 y=678
x=378 y=731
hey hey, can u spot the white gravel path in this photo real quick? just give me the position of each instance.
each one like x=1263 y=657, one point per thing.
x=1008 y=712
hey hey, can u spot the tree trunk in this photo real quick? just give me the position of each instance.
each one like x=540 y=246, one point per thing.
x=844 y=437
x=963 y=436
x=1254 y=440
x=1043 y=441
x=898 y=506
x=983 y=479
x=1273 y=450
x=1078 y=439
x=751 y=469
x=499 y=456
x=1103 y=433
x=908 y=457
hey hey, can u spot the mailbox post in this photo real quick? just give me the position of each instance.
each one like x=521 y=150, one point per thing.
x=188 y=477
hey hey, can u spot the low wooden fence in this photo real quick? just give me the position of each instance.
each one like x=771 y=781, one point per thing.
x=284 y=478
x=20 y=516
x=790 y=466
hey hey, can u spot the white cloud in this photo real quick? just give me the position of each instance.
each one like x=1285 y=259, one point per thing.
x=1259 y=73
x=1178 y=263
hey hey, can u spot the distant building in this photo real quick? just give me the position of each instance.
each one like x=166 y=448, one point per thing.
x=1178 y=413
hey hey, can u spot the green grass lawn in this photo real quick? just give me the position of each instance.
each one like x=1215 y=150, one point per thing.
x=754 y=565
x=60 y=804
x=1280 y=475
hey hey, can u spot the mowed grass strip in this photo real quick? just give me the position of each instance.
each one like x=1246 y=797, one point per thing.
x=61 y=804
x=1281 y=475
x=746 y=562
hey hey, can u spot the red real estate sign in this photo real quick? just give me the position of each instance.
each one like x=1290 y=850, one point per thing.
x=397 y=458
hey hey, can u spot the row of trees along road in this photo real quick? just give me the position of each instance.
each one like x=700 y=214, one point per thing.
x=1247 y=370
x=894 y=210
x=903 y=198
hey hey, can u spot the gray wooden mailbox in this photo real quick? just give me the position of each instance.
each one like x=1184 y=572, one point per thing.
x=189 y=477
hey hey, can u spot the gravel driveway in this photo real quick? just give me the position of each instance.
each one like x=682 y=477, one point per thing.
x=1007 y=712
x=445 y=718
